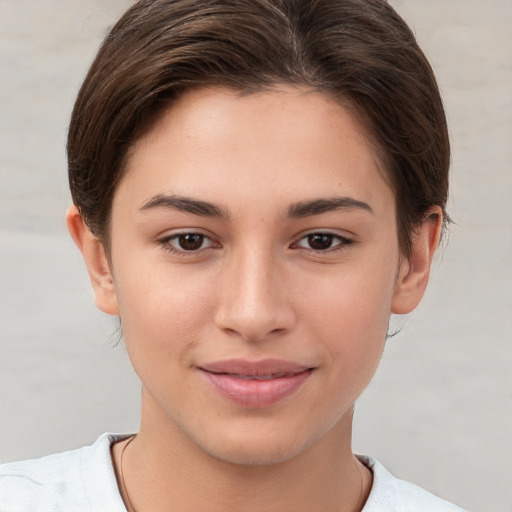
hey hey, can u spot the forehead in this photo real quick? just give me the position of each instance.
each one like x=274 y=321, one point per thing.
x=290 y=140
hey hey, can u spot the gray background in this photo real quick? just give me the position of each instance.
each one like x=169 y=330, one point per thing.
x=438 y=411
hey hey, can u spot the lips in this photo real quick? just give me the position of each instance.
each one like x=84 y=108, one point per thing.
x=255 y=383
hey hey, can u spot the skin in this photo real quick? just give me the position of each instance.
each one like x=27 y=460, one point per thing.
x=254 y=289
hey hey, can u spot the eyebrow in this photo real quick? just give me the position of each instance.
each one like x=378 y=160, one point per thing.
x=318 y=206
x=295 y=210
x=185 y=204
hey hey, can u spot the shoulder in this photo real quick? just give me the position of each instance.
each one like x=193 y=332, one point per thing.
x=78 y=480
x=390 y=494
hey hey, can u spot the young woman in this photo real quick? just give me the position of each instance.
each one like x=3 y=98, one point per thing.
x=257 y=186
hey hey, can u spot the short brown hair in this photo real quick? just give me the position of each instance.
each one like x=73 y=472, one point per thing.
x=360 y=52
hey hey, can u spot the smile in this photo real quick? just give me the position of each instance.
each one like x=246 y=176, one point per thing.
x=255 y=384
x=261 y=377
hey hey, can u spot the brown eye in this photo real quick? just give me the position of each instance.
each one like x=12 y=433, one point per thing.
x=323 y=242
x=320 y=241
x=182 y=243
x=190 y=241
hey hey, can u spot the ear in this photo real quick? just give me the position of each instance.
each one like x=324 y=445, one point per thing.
x=96 y=261
x=414 y=272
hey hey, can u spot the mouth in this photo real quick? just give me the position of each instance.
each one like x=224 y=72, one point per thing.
x=256 y=384
x=258 y=377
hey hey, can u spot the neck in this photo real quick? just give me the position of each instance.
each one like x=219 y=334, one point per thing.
x=164 y=470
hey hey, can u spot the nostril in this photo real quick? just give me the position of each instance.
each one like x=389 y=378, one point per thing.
x=253 y=336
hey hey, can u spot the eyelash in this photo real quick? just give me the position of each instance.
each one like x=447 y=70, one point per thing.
x=166 y=243
x=343 y=243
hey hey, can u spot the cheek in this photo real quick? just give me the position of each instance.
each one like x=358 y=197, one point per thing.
x=350 y=313
x=162 y=309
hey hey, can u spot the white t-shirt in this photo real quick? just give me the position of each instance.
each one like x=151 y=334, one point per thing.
x=84 y=480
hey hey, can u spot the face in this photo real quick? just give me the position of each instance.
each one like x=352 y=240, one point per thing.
x=255 y=264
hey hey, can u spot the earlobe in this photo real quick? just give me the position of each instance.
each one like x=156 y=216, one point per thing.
x=414 y=272
x=96 y=261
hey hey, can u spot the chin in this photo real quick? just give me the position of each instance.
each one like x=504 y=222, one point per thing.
x=262 y=448
x=267 y=456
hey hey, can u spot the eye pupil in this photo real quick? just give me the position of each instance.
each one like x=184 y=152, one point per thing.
x=190 y=241
x=319 y=241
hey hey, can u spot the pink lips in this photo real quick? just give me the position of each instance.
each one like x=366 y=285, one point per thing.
x=258 y=383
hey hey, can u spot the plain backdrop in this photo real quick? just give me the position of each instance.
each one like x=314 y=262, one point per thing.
x=437 y=413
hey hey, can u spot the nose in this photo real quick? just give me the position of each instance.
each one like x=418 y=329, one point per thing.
x=255 y=302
